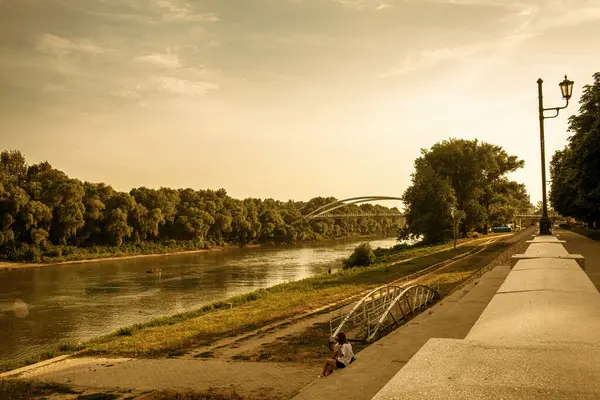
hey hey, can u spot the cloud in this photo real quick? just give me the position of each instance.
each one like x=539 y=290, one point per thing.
x=49 y=43
x=127 y=93
x=166 y=84
x=53 y=87
x=428 y=58
x=181 y=86
x=383 y=6
x=181 y=10
x=362 y=5
x=166 y=59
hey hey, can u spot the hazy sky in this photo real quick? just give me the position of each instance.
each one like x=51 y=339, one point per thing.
x=283 y=98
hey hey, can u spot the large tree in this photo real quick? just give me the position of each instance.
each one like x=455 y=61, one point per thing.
x=470 y=172
x=575 y=171
x=429 y=203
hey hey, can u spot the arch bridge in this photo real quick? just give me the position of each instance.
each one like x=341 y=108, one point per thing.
x=326 y=211
x=534 y=218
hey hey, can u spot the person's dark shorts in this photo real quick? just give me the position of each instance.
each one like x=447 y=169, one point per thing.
x=339 y=364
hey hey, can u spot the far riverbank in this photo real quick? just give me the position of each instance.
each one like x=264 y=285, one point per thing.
x=12 y=265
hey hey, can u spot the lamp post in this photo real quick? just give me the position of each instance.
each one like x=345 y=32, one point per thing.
x=453 y=225
x=566 y=88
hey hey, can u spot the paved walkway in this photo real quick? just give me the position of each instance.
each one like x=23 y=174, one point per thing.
x=378 y=363
x=588 y=248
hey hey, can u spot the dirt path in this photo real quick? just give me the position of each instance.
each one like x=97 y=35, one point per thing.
x=252 y=380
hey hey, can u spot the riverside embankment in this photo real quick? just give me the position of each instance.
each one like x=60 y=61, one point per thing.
x=41 y=307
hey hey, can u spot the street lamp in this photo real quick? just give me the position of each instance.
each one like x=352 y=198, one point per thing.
x=453 y=224
x=566 y=88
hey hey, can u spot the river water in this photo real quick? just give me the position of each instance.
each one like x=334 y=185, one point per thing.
x=42 y=306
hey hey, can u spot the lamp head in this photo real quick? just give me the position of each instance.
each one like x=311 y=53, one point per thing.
x=566 y=88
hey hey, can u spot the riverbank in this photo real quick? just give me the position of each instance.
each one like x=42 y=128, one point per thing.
x=13 y=265
x=176 y=334
x=122 y=285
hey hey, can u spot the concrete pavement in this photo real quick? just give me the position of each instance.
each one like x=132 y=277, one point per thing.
x=537 y=339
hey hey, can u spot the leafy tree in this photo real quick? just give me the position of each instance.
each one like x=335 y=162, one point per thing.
x=429 y=202
x=575 y=171
x=465 y=175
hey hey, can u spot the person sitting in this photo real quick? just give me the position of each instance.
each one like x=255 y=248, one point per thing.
x=342 y=356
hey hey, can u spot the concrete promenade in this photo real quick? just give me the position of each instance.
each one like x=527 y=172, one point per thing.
x=537 y=339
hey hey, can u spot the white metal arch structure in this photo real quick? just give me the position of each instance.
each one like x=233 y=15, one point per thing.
x=357 y=317
x=322 y=212
x=399 y=309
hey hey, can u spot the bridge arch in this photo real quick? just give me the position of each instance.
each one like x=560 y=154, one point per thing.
x=323 y=211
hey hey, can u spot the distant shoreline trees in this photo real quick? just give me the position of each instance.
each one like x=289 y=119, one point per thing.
x=46 y=215
x=465 y=178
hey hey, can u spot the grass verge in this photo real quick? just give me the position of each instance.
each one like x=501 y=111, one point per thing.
x=585 y=231
x=55 y=351
x=253 y=310
x=310 y=345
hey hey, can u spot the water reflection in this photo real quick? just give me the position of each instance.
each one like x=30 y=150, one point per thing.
x=39 y=307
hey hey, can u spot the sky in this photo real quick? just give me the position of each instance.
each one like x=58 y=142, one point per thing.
x=288 y=99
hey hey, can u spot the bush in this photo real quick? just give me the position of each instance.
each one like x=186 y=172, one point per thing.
x=361 y=257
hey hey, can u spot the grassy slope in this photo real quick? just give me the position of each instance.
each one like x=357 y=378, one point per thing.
x=203 y=326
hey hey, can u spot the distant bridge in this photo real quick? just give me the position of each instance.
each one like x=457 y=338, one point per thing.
x=325 y=212
x=536 y=217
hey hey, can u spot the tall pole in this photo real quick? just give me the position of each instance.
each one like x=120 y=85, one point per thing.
x=455 y=233
x=545 y=223
x=454 y=227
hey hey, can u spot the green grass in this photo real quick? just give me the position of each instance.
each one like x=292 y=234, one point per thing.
x=585 y=231
x=254 y=310
x=55 y=351
x=18 y=389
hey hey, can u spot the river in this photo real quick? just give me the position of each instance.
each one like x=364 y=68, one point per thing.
x=72 y=303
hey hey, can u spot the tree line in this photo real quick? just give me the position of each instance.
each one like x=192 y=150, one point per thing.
x=462 y=182
x=575 y=170
x=44 y=212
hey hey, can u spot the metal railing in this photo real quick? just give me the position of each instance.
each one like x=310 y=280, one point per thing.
x=400 y=309
x=380 y=310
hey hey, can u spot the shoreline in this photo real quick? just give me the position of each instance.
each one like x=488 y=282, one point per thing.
x=11 y=266
x=8 y=266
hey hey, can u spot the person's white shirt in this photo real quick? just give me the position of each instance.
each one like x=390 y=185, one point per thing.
x=345 y=353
